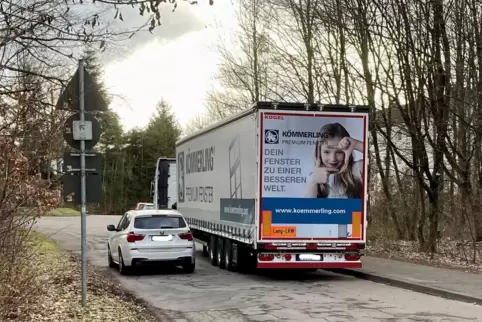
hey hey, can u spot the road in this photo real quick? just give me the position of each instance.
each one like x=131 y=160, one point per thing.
x=212 y=294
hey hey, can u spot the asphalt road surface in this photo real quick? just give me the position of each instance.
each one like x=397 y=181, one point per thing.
x=212 y=294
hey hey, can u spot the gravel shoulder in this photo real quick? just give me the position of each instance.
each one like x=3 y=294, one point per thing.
x=59 y=294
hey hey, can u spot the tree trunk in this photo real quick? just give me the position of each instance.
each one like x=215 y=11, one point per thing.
x=423 y=217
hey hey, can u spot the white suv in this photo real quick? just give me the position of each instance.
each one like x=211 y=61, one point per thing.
x=146 y=237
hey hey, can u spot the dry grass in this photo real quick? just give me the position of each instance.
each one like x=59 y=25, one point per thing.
x=451 y=254
x=54 y=290
x=64 y=212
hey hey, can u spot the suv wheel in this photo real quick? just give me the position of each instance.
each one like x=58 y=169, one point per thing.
x=110 y=261
x=123 y=270
x=189 y=267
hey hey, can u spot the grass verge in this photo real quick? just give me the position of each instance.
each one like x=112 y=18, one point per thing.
x=57 y=281
x=457 y=255
x=64 y=212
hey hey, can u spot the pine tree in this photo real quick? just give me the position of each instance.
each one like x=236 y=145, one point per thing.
x=112 y=136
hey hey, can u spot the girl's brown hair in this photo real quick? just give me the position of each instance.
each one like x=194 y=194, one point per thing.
x=353 y=186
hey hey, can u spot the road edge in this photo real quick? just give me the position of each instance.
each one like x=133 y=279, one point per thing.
x=451 y=295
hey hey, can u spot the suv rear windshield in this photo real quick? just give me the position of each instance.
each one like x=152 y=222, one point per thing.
x=159 y=222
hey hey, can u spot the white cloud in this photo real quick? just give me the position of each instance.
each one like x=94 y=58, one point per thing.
x=179 y=70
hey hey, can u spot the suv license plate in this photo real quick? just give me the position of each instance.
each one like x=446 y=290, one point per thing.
x=162 y=238
x=310 y=257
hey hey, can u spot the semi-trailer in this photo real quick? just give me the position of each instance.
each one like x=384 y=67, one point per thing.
x=278 y=185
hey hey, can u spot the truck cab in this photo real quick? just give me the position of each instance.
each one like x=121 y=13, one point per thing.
x=163 y=187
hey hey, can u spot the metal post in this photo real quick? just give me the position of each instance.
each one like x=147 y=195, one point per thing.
x=83 y=191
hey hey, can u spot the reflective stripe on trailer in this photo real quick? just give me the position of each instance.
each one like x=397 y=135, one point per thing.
x=306 y=260
x=311 y=246
x=304 y=265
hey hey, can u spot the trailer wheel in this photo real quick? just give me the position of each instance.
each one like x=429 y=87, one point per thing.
x=212 y=251
x=228 y=255
x=220 y=252
x=205 y=251
x=246 y=260
x=235 y=257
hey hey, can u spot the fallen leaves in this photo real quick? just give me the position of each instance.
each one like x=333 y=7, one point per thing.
x=58 y=282
x=451 y=254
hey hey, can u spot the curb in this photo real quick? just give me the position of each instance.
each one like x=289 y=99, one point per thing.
x=451 y=295
x=65 y=216
x=61 y=216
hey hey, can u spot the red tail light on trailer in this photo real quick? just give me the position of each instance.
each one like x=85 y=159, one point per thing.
x=186 y=236
x=133 y=237
x=311 y=246
x=352 y=257
x=266 y=257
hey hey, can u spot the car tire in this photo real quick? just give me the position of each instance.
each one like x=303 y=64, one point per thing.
x=110 y=260
x=123 y=270
x=189 y=268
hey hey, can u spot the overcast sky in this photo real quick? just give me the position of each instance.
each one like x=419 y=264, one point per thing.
x=177 y=63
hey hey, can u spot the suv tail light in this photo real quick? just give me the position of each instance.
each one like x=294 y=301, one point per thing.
x=186 y=236
x=133 y=237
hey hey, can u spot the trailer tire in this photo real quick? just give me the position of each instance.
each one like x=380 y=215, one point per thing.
x=205 y=252
x=235 y=257
x=228 y=255
x=220 y=253
x=212 y=251
x=246 y=262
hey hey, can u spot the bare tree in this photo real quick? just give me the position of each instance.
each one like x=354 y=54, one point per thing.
x=417 y=65
x=243 y=75
x=195 y=124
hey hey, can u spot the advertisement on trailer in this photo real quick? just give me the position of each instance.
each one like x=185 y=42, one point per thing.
x=312 y=175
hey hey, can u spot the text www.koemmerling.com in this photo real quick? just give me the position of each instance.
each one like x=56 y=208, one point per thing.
x=310 y=211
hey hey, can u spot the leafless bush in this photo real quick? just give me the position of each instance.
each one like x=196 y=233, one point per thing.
x=21 y=185
x=19 y=284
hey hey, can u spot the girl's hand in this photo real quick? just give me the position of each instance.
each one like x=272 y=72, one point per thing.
x=321 y=175
x=347 y=145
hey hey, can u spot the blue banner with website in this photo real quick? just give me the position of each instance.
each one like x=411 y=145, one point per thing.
x=311 y=211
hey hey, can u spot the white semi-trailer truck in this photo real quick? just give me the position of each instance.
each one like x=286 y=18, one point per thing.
x=280 y=185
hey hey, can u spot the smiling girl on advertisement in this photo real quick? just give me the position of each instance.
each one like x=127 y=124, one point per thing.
x=336 y=174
